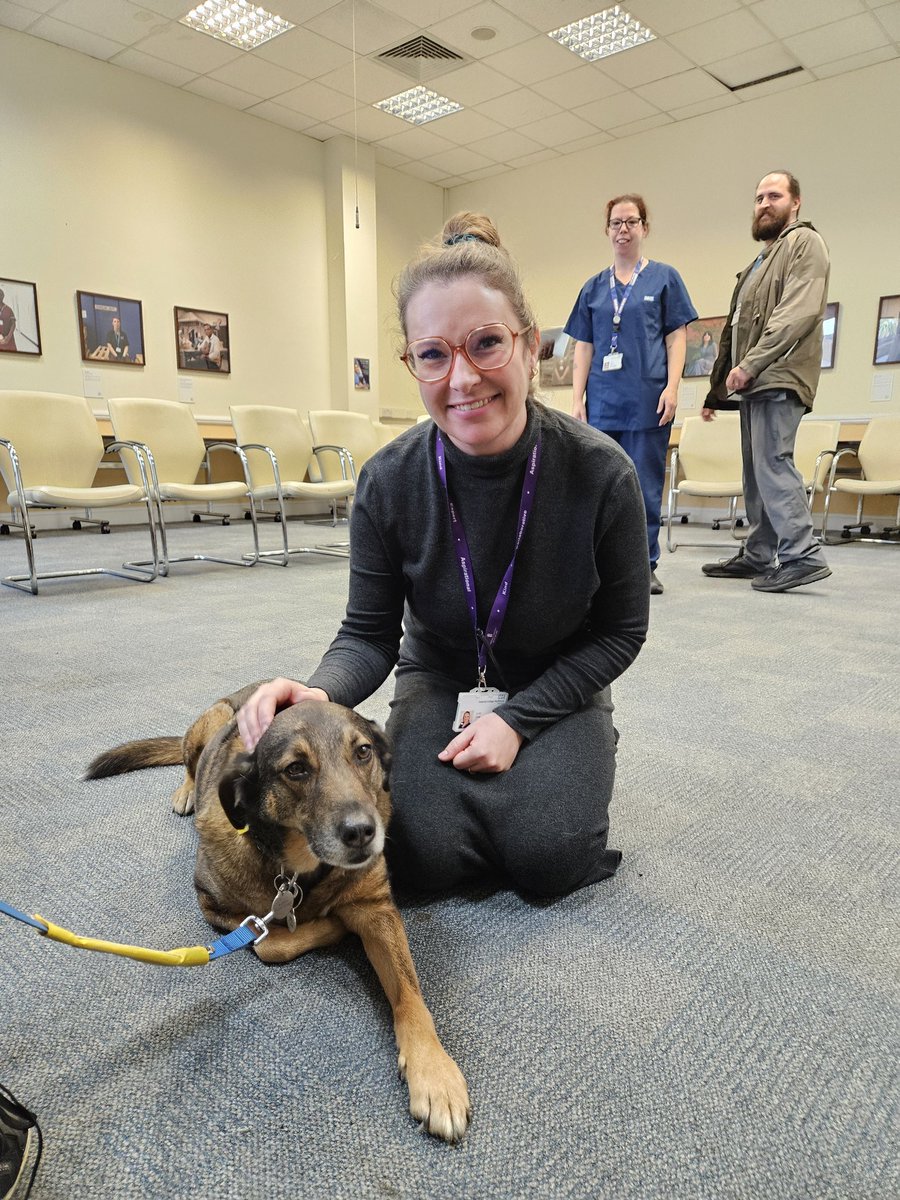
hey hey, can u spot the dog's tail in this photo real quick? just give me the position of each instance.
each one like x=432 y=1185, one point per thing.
x=132 y=756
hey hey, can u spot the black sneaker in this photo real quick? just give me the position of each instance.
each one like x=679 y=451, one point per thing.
x=732 y=568
x=21 y=1146
x=790 y=575
x=656 y=588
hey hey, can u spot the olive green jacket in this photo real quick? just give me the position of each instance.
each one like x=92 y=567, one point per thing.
x=777 y=337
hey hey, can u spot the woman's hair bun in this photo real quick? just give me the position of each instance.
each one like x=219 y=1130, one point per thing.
x=470 y=227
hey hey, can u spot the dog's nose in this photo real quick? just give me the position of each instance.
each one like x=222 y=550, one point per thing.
x=356 y=832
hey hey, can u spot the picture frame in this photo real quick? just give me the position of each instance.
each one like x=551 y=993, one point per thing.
x=20 y=327
x=111 y=329
x=887 y=331
x=555 y=358
x=361 y=376
x=202 y=341
x=829 y=334
x=703 y=338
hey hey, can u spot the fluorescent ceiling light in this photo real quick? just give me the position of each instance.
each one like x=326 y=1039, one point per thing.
x=605 y=33
x=418 y=105
x=236 y=22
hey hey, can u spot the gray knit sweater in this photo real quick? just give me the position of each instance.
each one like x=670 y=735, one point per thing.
x=579 y=601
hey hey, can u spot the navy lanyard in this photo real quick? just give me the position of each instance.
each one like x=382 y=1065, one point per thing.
x=617 y=304
x=485 y=640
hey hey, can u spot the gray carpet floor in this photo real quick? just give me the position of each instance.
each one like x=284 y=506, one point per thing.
x=718 y=1021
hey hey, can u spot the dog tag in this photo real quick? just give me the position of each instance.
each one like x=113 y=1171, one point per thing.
x=291 y=921
x=283 y=904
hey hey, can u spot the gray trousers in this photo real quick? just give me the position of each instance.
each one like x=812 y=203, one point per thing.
x=774 y=496
x=540 y=827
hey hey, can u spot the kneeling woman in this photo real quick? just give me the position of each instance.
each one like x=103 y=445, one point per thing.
x=506 y=543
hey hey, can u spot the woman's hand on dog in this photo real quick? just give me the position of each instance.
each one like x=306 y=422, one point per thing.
x=259 y=711
x=488 y=745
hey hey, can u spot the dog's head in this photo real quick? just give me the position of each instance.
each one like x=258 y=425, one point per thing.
x=319 y=771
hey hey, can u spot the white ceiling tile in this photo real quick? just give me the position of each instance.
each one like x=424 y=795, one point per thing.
x=427 y=12
x=628 y=130
x=222 y=93
x=621 y=109
x=316 y=101
x=418 y=141
x=123 y=22
x=451 y=181
x=726 y=100
x=303 y=51
x=839 y=40
x=37 y=6
x=553 y=131
x=269 y=110
x=323 y=132
x=539 y=156
x=579 y=86
x=759 y=63
x=786 y=19
x=475 y=83
x=531 y=61
x=464 y=128
x=488 y=172
x=643 y=64
x=190 y=49
x=458 y=161
x=545 y=15
x=506 y=146
x=62 y=34
x=586 y=143
x=665 y=17
x=717 y=39
x=297 y=11
x=388 y=158
x=855 y=62
x=174 y=9
x=689 y=87
x=262 y=79
x=368 y=124
x=373 y=28
x=784 y=84
x=422 y=171
x=889 y=16
x=372 y=82
x=457 y=30
x=520 y=108
x=14 y=16
x=146 y=64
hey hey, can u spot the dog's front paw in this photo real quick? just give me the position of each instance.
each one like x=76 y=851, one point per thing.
x=183 y=800
x=438 y=1096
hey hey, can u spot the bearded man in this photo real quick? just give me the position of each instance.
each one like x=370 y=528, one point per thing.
x=769 y=361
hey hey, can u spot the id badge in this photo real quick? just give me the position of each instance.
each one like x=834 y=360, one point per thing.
x=477 y=703
x=612 y=362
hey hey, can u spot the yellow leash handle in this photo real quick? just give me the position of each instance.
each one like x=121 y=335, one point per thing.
x=185 y=956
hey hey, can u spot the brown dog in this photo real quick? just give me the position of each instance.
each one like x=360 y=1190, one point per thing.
x=305 y=814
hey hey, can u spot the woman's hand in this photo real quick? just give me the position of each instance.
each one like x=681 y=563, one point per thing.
x=668 y=402
x=259 y=711
x=488 y=745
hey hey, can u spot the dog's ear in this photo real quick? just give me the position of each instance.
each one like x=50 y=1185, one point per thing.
x=239 y=790
x=382 y=749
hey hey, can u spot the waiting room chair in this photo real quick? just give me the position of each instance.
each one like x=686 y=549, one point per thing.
x=879 y=460
x=342 y=442
x=706 y=462
x=814 y=447
x=53 y=450
x=279 y=450
x=176 y=454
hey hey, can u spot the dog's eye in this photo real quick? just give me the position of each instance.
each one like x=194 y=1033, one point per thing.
x=364 y=753
x=297 y=770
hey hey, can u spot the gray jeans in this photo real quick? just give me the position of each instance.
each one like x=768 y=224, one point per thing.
x=774 y=496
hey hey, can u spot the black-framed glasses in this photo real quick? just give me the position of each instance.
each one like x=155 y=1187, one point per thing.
x=487 y=348
x=631 y=222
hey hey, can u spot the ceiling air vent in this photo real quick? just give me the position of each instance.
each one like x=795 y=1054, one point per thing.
x=421 y=58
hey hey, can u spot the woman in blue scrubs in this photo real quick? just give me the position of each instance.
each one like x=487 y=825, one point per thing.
x=629 y=327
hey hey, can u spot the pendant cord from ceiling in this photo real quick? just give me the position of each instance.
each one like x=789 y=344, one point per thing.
x=355 y=121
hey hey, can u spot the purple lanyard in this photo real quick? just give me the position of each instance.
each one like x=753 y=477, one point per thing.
x=616 y=304
x=466 y=568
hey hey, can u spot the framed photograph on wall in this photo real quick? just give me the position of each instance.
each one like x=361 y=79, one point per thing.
x=703 y=337
x=887 y=332
x=20 y=330
x=829 y=335
x=361 y=380
x=202 y=342
x=555 y=358
x=111 y=329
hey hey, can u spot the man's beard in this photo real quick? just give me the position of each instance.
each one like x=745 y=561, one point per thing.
x=767 y=226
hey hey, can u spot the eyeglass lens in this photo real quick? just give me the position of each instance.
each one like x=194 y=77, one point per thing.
x=631 y=222
x=487 y=348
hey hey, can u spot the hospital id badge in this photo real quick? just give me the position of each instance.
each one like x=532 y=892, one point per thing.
x=477 y=703
x=612 y=362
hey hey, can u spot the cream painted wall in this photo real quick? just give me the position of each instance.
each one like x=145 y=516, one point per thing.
x=698 y=178
x=410 y=212
x=115 y=183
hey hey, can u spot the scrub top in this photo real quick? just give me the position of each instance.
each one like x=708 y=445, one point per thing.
x=658 y=303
